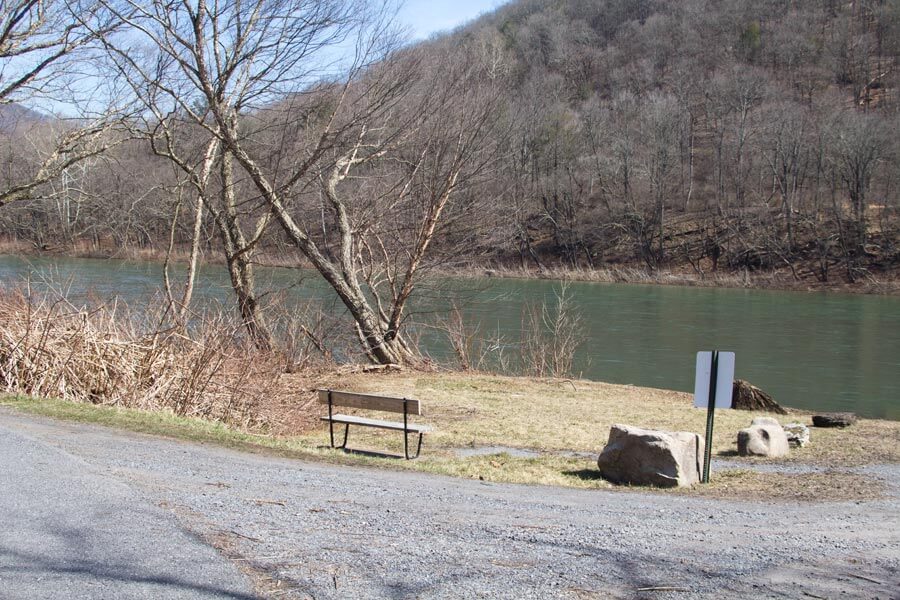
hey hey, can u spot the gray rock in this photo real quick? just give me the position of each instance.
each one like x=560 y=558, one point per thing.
x=764 y=437
x=839 y=419
x=647 y=457
x=797 y=434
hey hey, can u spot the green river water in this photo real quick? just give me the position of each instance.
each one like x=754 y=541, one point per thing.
x=818 y=351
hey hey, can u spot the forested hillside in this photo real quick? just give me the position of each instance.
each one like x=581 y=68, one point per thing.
x=729 y=134
x=695 y=135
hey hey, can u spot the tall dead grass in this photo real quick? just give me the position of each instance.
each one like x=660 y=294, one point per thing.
x=883 y=283
x=473 y=350
x=626 y=274
x=108 y=355
x=549 y=338
x=551 y=335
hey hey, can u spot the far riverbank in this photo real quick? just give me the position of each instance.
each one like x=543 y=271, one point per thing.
x=777 y=280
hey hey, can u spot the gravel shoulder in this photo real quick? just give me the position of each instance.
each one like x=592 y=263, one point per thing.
x=307 y=530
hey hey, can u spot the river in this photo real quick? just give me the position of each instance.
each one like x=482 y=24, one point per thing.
x=818 y=351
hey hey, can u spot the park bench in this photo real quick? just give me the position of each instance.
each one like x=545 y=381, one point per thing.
x=334 y=398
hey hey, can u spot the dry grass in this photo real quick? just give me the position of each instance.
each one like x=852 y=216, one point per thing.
x=544 y=414
x=105 y=355
x=568 y=422
x=883 y=284
x=869 y=441
x=746 y=484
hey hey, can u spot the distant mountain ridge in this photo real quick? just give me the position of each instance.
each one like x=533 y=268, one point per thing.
x=657 y=135
x=13 y=115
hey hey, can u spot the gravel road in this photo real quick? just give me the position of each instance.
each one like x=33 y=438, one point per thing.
x=70 y=530
x=305 y=530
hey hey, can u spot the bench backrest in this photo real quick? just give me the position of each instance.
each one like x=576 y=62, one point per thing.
x=371 y=402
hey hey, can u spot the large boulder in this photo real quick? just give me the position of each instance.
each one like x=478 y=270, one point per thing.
x=764 y=437
x=646 y=457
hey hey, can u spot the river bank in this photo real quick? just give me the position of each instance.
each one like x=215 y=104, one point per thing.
x=518 y=430
x=780 y=280
x=776 y=280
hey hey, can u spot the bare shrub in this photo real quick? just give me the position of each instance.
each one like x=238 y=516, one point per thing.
x=307 y=336
x=471 y=348
x=551 y=334
x=50 y=347
x=460 y=337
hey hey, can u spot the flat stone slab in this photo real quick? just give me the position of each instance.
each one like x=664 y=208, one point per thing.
x=837 y=419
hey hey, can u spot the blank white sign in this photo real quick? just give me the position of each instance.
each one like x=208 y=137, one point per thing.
x=724 y=379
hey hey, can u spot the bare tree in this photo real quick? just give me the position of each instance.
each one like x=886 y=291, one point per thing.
x=387 y=221
x=788 y=159
x=661 y=134
x=250 y=75
x=858 y=145
x=42 y=44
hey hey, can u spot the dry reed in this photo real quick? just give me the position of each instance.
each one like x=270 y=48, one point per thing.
x=50 y=347
x=551 y=335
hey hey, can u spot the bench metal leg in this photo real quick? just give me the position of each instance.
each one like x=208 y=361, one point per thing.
x=406 y=433
x=406 y=446
x=330 y=421
x=346 y=433
x=331 y=424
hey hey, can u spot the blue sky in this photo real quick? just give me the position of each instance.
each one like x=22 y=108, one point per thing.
x=422 y=18
x=425 y=17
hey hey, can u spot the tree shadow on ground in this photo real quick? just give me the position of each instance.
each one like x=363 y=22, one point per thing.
x=36 y=567
x=56 y=556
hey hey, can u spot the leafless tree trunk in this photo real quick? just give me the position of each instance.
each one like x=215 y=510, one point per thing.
x=858 y=146
x=238 y=257
x=787 y=161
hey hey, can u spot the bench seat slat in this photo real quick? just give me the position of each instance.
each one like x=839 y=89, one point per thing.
x=351 y=420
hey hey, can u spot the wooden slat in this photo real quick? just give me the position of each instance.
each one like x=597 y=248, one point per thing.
x=370 y=402
x=378 y=423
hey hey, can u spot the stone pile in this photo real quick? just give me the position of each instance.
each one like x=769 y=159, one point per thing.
x=797 y=434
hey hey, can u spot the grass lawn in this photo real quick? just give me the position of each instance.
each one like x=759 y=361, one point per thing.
x=565 y=423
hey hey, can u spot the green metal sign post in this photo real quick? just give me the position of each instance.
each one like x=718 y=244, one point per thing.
x=712 y=389
x=710 y=415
